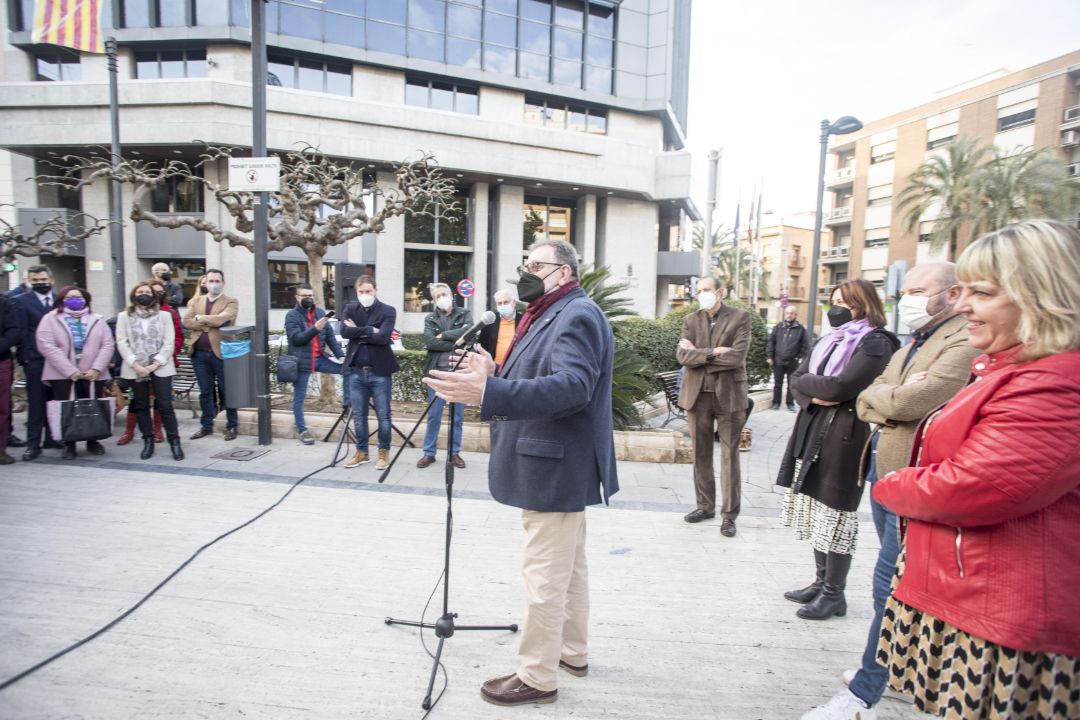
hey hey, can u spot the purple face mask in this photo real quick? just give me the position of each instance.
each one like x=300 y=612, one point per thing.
x=74 y=303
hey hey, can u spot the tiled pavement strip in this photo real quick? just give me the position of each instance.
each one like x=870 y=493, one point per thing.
x=284 y=619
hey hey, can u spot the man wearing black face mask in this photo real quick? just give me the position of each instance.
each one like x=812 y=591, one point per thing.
x=173 y=291
x=34 y=305
x=311 y=341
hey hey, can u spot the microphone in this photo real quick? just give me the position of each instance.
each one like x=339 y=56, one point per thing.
x=486 y=319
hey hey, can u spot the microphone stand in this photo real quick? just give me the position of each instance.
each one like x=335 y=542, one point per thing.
x=444 y=627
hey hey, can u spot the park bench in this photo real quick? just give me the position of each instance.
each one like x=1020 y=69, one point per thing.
x=669 y=381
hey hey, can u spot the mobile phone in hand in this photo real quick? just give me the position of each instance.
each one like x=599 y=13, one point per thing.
x=329 y=314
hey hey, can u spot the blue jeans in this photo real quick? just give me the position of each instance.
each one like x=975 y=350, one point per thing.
x=869 y=683
x=208 y=368
x=364 y=384
x=434 y=421
x=303 y=375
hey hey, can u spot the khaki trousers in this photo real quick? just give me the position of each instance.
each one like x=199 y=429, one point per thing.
x=705 y=412
x=557 y=590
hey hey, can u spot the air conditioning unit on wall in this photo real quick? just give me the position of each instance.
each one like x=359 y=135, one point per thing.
x=1073 y=170
x=1070 y=138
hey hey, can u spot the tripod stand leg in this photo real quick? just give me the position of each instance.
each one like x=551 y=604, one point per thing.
x=426 y=704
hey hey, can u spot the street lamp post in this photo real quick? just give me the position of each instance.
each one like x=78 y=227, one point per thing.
x=845 y=125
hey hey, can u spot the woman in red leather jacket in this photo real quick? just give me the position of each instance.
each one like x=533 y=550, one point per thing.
x=985 y=620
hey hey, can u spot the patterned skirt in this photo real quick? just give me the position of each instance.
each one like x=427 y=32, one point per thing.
x=953 y=674
x=827 y=529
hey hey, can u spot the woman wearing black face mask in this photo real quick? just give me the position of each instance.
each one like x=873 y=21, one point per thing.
x=821 y=465
x=145 y=336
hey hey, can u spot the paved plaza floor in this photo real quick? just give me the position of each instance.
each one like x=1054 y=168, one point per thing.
x=285 y=619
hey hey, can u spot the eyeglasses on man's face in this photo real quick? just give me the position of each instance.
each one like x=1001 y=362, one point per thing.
x=535 y=266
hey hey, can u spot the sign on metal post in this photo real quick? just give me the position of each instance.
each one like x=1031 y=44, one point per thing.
x=261 y=174
x=466 y=288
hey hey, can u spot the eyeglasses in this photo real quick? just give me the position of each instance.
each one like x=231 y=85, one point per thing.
x=534 y=266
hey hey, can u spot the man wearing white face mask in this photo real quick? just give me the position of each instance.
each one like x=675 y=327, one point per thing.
x=923 y=375
x=713 y=348
x=442 y=328
x=496 y=338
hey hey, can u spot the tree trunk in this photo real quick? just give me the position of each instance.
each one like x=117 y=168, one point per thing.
x=329 y=400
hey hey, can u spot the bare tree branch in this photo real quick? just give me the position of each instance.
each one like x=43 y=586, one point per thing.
x=52 y=237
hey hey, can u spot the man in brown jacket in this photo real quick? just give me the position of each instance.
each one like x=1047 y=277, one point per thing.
x=715 y=340
x=922 y=375
x=205 y=316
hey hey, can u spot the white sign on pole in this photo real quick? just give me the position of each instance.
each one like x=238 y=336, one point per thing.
x=255 y=174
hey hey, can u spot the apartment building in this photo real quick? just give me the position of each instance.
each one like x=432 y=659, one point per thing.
x=1037 y=107
x=557 y=118
x=784 y=245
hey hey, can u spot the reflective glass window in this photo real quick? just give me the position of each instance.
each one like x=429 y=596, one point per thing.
x=419 y=273
x=352 y=7
x=464 y=22
x=570 y=13
x=534 y=113
x=499 y=59
x=420 y=226
x=172 y=13
x=426 y=45
x=599 y=51
x=172 y=64
x=136 y=13
x=601 y=21
x=388 y=10
x=598 y=79
x=344 y=30
x=339 y=80
x=555 y=117
x=442 y=96
x=309 y=76
x=536 y=10
x=211 y=12
x=565 y=72
x=281 y=70
x=463 y=52
x=467 y=101
x=536 y=67
x=416 y=93
x=452 y=225
x=196 y=63
x=535 y=38
x=597 y=124
x=58 y=67
x=385 y=38
x=301 y=22
x=568 y=44
x=146 y=65
x=501 y=29
x=576 y=119
x=239 y=12
x=427 y=15
x=503 y=6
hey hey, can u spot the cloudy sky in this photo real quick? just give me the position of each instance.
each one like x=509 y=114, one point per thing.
x=765 y=73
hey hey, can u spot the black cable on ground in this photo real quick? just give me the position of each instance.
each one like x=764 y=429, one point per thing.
x=420 y=632
x=116 y=621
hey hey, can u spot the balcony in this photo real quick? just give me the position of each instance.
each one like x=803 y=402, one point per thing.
x=824 y=292
x=796 y=263
x=796 y=293
x=839 y=216
x=1071 y=118
x=1073 y=170
x=30 y=219
x=837 y=254
x=840 y=177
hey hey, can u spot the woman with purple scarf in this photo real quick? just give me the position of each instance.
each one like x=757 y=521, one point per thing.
x=821 y=465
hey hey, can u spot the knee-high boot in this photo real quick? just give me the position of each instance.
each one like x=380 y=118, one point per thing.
x=831 y=600
x=159 y=436
x=812 y=590
x=129 y=431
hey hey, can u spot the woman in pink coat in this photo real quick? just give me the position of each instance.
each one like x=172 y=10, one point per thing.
x=77 y=346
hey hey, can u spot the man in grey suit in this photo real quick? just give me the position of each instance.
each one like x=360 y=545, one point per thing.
x=552 y=454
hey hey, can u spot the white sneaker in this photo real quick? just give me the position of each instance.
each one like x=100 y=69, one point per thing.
x=842 y=706
x=849 y=675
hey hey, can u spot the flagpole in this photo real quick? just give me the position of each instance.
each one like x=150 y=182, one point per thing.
x=756 y=250
x=116 y=231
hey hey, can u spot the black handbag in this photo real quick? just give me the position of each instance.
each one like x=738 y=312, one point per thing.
x=86 y=419
x=288 y=368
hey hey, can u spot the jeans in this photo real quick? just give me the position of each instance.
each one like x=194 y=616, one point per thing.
x=303 y=375
x=364 y=384
x=783 y=369
x=208 y=368
x=434 y=420
x=869 y=682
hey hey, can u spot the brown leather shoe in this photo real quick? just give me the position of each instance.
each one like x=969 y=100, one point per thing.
x=230 y=434
x=727 y=528
x=575 y=670
x=458 y=462
x=425 y=461
x=510 y=690
x=202 y=432
x=697 y=516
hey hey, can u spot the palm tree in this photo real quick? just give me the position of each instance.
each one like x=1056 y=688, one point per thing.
x=1026 y=184
x=950 y=181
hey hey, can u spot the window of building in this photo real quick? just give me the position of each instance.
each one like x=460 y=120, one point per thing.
x=170 y=64
x=186 y=273
x=879 y=201
x=547 y=219
x=309 y=74
x=877 y=238
x=565 y=116
x=940 y=142
x=444 y=232
x=442 y=95
x=1015 y=120
x=171 y=13
x=177 y=195
x=884 y=157
x=58 y=65
x=211 y=12
x=286 y=275
x=57 y=196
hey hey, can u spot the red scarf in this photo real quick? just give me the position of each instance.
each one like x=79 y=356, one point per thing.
x=537 y=308
x=316 y=350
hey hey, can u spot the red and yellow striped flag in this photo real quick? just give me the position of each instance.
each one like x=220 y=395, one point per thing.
x=71 y=23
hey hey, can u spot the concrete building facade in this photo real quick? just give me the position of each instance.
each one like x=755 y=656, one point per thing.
x=1038 y=107
x=557 y=118
x=783 y=246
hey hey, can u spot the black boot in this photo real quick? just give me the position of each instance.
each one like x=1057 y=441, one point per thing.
x=831 y=601
x=174 y=445
x=147 y=448
x=69 y=451
x=811 y=591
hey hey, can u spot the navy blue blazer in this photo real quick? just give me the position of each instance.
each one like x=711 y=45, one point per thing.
x=373 y=328
x=552 y=447
x=301 y=335
x=32 y=312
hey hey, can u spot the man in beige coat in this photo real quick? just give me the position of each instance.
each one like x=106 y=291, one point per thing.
x=715 y=340
x=922 y=375
x=205 y=316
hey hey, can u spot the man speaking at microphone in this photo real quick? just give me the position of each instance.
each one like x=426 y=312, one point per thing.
x=552 y=454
